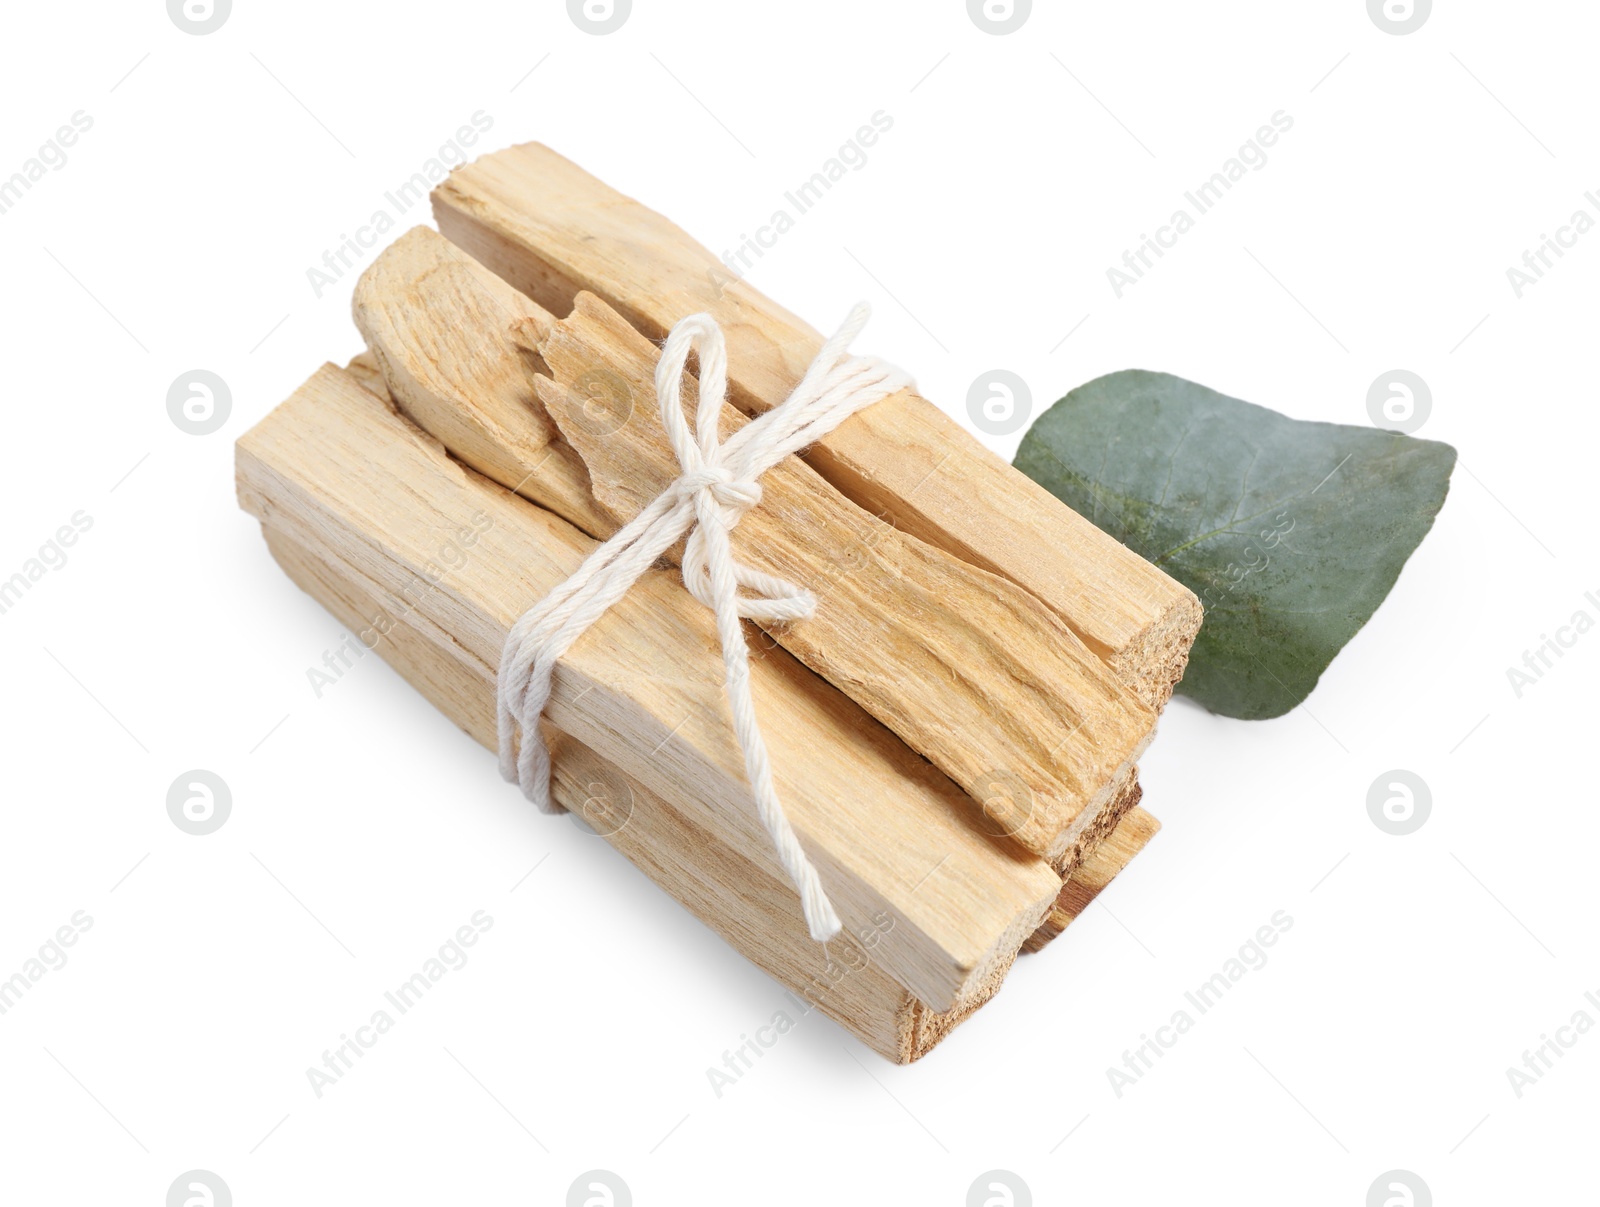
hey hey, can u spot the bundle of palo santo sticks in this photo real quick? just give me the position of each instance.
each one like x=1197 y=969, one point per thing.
x=953 y=733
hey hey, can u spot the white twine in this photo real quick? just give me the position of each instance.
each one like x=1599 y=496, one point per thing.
x=718 y=485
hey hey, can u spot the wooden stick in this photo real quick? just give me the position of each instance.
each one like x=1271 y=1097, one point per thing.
x=757 y=914
x=552 y=230
x=338 y=471
x=1125 y=840
x=561 y=480
x=970 y=670
x=464 y=381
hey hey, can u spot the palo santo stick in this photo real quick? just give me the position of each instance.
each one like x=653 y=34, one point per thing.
x=463 y=381
x=552 y=230
x=1084 y=879
x=335 y=469
x=970 y=670
x=1097 y=869
x=756 y=913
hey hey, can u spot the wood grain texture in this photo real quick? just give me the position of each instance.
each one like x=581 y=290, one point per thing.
x=438 y=329
x=552 y=230
x=755 y=913
x=337 y=470
x=1095 y=872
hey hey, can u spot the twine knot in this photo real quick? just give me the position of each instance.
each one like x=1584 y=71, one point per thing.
x=718 y=486
x=735 y=495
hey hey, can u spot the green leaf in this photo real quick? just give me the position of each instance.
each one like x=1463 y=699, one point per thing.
x=1291 y=533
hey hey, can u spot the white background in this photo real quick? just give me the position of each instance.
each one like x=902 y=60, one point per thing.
x=365 y=828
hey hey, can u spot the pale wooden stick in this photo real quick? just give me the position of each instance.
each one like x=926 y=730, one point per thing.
x=757 y=914
x=1097 y=869
x=552 y=230
x=337 y=470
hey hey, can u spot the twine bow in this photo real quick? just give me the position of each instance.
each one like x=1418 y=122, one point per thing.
x=719 y=484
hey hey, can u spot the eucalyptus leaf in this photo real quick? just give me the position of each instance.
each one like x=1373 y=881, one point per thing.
x=1291 y=533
